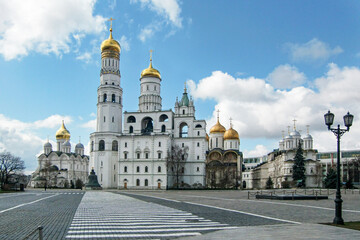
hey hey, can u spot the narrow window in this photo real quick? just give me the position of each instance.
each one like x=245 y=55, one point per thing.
x=137 y=169
x=147 y=87
x=125 y=169
x=125 y=144
x=198 y=169
x=101 y=163
x=131 y=129
x=159 y=155
x=104 y=119
x=113 y=119
x=159 y=144
x=198 y=133
x=138 y=156
x=137 y=182
x=105 y=97
x=125 y=155
x=198 y=157
x=146 y=155
x=113 y=98
x=101 y=177
x=183 y=111
x=146 y=169
x=163 y=128
x=182 y=145
x=198 y=144
x=159 y=169
x=114 y=167
x=146 y=182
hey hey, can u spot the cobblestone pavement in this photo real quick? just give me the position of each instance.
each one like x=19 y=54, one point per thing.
x=113 y=216
x=304 y=211
x=22 y=213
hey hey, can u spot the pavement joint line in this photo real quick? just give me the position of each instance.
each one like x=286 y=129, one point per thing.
x=278 y=203
x=24 y=204
x=226 y=209
x=16 y=195
x=136 y=194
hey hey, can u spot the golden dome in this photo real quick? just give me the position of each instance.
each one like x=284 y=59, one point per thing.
x=207 y=137
x=218 y=128
x=62 y=133
x=109 y=46
x=231 y=134
x=150 y=71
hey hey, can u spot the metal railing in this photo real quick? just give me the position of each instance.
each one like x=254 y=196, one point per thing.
x=314 y=192
x=40 y=229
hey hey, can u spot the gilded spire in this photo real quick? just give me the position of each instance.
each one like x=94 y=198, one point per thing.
x=218 y=128
x=184 y=87
x=150 y=71
x=110 y=48
x=294 y=124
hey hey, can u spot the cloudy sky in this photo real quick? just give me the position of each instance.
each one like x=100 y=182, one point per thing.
x=261 y=63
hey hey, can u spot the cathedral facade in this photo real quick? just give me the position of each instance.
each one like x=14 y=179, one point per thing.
x=150 y=148
x=61 y=168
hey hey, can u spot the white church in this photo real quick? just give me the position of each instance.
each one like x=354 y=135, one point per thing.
x=130 y=150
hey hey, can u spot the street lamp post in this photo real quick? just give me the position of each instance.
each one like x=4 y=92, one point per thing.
x=329 y=119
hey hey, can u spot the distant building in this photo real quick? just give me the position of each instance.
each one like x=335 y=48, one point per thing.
x=279 y=164
x=349 y=164
x=61 y=168
x=223 y=160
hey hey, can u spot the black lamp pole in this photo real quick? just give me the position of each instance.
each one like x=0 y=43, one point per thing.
x=329 y=119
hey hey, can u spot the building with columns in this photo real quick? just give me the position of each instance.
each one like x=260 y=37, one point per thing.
x=61 y=167
x=132 y=150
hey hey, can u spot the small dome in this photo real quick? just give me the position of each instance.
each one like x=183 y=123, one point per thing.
x=79 y=145
x=231 y=134
x=48 y=145
x=295 y=133
x=218 y=128
x=150 y=72
x=62 y=133
x=308 y=136
x=67 y=144
x=110 y=44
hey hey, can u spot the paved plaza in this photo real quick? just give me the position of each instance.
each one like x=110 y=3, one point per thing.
x=76 y=214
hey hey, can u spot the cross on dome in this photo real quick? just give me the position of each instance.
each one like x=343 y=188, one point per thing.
x=294 y=124
x=110 y=20
x=230 y=122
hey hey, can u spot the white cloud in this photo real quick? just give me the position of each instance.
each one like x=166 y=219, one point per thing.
x=90 y=124
x=45 y=27
x=148 y=31
x=261 y=111
x=168 y=9
x=86 y=57
x=286 y=76
x=313 y=50
x=260 y=150
x=124 y=43
x=21 y=139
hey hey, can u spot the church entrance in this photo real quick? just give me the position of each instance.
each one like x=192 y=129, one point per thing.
x=159 y=185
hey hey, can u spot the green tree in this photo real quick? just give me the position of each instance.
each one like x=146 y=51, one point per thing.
x=79 y=184
x=269 y=183
x=330 y=179
x=299 y=166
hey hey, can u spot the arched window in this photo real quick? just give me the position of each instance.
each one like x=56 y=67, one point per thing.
x=131 y=119
x=105 y=97
x=163 y=128
x=137 y=182
x=131 y=129
x=101 y=145
x=147 y=125
x=92 y=146
x=125 y=169
x=137 y=169
x=113 y=98
x=183 y=111
x=159 y=169
x=183 y=130
x=146 y=169
x=163 y=118
x=198 y=126
x=114 y=145
x=146 y=182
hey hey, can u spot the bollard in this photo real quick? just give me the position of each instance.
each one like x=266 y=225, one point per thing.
x=40 y=232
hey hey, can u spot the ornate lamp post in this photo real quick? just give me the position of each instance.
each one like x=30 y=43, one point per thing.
x=329 y=119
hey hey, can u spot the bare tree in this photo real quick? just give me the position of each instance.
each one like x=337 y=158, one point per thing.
x=10 y=165
x=176 y=162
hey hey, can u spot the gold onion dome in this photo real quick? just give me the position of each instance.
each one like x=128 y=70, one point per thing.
x=150 y=71
x=110 y=44
x=231 y=134
x=218 y=128
x=207 y=137
x=62 y=133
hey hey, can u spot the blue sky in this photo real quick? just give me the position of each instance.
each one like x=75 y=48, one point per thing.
x=262 y=63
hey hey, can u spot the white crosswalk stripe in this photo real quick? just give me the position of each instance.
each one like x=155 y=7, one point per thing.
x=108 y=215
